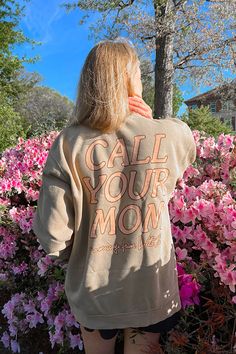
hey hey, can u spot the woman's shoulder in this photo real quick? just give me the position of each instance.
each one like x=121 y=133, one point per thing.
x=78 y=132
x=176 y=121
x=179 y=126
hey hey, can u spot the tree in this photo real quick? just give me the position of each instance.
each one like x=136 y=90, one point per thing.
x=202 y=120
x=44 y=109
x=190 y=38
x=12 y=125
x=13 y=78
x=148 y=82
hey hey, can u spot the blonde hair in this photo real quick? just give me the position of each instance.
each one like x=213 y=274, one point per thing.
x=106 y=81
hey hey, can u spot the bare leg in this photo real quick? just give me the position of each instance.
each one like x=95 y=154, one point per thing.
x=136 y=342
x=95 y=344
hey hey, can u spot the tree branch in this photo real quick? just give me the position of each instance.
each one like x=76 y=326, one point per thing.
x=197 y=52
x=122 y=5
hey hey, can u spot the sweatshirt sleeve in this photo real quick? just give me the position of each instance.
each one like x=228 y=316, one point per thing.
x=53 y=223
x=191 y=149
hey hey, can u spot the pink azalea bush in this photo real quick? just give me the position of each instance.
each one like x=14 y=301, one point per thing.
x=203 y=220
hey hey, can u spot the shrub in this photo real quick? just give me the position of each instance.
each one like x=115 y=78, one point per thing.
x=12 y=126
x=203 y=120
x=203 y=220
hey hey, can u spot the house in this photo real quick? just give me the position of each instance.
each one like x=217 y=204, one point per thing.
x=221 y=101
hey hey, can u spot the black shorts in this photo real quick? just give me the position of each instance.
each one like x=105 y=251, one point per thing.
x=162 y=326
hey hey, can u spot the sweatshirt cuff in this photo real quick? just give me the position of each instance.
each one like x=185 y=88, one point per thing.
x=61 y=254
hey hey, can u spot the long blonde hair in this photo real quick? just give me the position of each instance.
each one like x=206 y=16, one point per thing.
x=106 y=81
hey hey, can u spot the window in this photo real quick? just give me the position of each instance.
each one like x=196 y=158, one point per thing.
x=193 y=106
x=234 y=123
x=224 y=106
x=227 y=106
x=212 y=106
x=230 y=122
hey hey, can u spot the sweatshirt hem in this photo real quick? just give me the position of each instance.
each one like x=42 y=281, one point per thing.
x=126 y=320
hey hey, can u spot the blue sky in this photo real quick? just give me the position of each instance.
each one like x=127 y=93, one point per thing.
x=64 y=47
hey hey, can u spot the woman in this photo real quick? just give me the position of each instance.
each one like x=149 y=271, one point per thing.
x=103 y=205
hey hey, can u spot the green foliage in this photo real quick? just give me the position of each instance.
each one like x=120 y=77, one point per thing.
x=201 y=119
x=14 y=80
x=12 y=125
x=44 y=109
x=177 y=99
x=12 y=77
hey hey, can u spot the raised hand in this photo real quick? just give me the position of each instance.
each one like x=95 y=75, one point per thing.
x=137 y=105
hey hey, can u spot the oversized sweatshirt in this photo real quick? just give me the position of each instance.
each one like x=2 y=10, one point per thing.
x=103 y=208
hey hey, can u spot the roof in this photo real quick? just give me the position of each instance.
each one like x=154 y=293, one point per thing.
x=216 y=92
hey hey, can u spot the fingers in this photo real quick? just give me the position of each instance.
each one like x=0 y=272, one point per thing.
x=137 y=104
x=138 y=109
x=141 y=111
x=138 y=101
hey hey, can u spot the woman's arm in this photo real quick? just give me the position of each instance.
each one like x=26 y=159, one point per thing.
x=53 y=223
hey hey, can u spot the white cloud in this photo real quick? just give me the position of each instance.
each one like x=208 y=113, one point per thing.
x=40 y=16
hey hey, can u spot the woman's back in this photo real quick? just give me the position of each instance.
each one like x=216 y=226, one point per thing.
x=122 y=267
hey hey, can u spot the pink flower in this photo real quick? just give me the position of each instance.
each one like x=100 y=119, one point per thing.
x=181 y=253
x=70 y=320
x=189 y=293
x=75 y=341
x=203 y=218
x=229 y=277
x=177 y=215
x=234 y=299
x=189 y=288
x=8 y=310
x=45 y=306
x=29 y=307
x=205 y=208
x=59 y=321
x=13 y=328
x=188 y=215
x=34 y=319
x=20 y=268
x=5 y=339
x=43 y=265
x=57 y=337
x=225 y=270
x=40 y=296
x=23 y=216
x=15 y=347
x=180 y=269
x=178 y=233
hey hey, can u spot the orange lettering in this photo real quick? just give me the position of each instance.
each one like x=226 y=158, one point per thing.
x=101 y=222
x=122 y=189
x=158 y=182
x=146 y=184
x=119 y=151
x=134 y=159
x=122 y=226
x=93 y=191
x=152 y=215
x=156 y=149
x=88 y=156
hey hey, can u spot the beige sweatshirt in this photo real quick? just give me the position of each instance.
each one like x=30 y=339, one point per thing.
x=103 y=207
